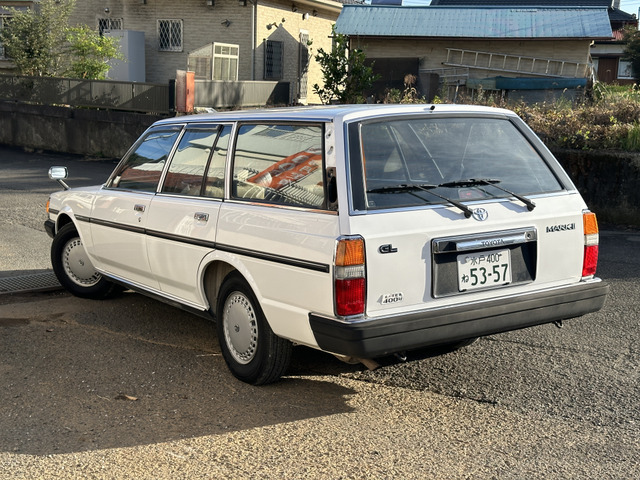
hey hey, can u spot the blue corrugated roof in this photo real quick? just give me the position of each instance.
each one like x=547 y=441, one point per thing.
x=474 y=22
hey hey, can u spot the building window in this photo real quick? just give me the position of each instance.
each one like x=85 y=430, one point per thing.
x=5 y=18
x=273 y=60
x=624 y=70
x=2 y=23
x=108 y=24
x=170 y=35
x=225 y=61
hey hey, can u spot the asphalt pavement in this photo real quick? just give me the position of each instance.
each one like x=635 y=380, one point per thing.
x=132 y=389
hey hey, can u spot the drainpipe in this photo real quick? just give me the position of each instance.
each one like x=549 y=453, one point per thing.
x=254 y=13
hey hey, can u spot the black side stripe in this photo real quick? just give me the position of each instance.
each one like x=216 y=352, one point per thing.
x=182 y=239
x=293 y=262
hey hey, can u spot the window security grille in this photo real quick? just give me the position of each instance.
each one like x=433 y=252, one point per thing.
x=273 y=60
x=303 y=66
x=2 y=54
x=170 y=35
x=106 y=24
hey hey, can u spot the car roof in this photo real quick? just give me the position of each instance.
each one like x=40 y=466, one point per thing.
x=332 y=113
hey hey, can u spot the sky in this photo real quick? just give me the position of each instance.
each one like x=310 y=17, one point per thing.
x=629 y=6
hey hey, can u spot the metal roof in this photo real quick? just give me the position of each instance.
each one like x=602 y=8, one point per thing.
x=474 y=22
x=527 y=3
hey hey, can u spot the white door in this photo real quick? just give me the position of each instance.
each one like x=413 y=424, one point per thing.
x=119 y=214
x=181 y=226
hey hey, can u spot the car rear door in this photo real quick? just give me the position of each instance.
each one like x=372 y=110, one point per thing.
x=458 y=210
x=181 y=226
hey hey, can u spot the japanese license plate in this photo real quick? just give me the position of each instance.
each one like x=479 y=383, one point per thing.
x=484 y=269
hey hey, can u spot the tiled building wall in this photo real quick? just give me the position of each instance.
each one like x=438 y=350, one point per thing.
x=203 y=24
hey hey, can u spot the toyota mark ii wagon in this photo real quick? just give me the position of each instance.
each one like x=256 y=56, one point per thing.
x=357 y=230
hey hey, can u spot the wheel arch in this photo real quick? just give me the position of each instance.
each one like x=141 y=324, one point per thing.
x=214 y=275
x=62 y=220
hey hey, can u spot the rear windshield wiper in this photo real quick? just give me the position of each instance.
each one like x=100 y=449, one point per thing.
x=423 y=188
x=473 y=182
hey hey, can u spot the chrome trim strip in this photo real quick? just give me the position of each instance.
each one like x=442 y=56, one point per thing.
x=485 y=240
x=492 y=242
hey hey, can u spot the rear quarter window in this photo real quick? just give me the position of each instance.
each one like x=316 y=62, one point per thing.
x=279 y=164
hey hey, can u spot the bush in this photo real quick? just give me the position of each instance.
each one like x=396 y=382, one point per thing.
x=609 y=119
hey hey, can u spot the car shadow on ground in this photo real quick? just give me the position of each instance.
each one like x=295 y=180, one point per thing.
x=83 y=375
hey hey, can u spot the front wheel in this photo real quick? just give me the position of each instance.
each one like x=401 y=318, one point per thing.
x=253 y=353
x=73 y=268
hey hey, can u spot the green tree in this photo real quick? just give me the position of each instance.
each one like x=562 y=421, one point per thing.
x=90 y=53
x=41 y=43
x=632 y=50
x=346 y=77
x=34 y=38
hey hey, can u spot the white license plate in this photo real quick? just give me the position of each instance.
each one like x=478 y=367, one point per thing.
x=484 y=269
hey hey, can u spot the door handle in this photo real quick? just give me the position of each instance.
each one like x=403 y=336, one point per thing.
x=138 y=208
x=201 y=217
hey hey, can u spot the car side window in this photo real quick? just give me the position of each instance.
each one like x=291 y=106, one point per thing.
x=143 y=167
x=214 y=186
x=186 y=172
x=280 y=164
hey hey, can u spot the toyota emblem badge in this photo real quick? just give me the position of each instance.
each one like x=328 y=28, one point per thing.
x=480 y=214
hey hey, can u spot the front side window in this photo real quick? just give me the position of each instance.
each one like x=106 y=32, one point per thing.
x=170 y=35
x=142 y=168
x=417 y=161
x=280 y=164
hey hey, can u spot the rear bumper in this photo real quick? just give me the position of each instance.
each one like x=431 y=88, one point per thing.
x=382 y=336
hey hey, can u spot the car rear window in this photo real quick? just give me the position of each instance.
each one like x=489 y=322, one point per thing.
x=416 y=161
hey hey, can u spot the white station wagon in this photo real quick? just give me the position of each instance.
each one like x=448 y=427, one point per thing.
x=359 y=230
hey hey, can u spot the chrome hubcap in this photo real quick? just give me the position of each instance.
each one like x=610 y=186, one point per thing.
x=240 y=327
x=77 y=266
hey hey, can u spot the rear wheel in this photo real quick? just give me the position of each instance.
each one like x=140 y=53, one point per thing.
x=253 y=353
x=73 y=268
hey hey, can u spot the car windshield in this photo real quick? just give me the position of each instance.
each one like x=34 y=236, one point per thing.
x=422 y=161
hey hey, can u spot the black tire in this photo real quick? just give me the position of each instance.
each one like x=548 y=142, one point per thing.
x=73 y=267
x=253 y=353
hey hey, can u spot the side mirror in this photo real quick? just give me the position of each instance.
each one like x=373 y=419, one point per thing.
x=59 y=174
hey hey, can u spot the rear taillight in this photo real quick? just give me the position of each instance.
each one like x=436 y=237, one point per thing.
x=591 y=241
x=349 y=277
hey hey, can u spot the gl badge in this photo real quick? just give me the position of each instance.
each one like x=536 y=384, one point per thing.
x=388 y=248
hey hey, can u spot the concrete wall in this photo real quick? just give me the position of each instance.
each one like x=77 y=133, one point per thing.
x=98 y=133
x=608 y=181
